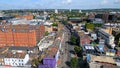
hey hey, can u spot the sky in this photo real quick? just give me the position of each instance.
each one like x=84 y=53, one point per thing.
x=58 y=4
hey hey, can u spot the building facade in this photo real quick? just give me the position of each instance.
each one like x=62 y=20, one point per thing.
x=17 y=59
x=109 y=39
x=21 y=35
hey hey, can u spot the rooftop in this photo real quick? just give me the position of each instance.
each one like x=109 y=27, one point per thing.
x=50 y=52
x=21 y=48
x=15 y=55
x=100 y=59
x=16 y=21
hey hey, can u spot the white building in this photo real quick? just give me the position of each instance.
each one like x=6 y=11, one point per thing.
x=98 y=21
x=16 y=21
x=94 y=36
x=80 y=11
x=48 y=23
x=56 y=11
x=16 y=59
x=109 y=39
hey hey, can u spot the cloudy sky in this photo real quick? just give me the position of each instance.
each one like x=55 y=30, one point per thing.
x=58 y=4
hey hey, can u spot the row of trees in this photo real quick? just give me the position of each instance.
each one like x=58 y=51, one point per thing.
x=77 y=62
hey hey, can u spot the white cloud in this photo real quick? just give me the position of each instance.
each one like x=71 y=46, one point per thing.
x=117 y=1
x=104 y=2
x=66 y=1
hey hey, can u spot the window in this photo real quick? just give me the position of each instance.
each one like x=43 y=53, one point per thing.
x=22 y=64
x=21 y=60
x=19 y=64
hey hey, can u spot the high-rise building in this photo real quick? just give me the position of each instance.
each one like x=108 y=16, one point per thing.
x=56 y=11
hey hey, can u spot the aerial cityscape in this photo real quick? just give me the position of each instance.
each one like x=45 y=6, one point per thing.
x=60 y=34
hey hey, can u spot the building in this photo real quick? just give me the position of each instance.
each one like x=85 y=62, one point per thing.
x=48 y=63
x=118 y=51
x=52 y=52
x=98 y=21
x=89 y=49
x=75 y=20
x=94 y=36
x=16 y=59
x=102 y=59
x=117 y=60
x=100 y=49
x=45 y=43
x=84 y=39
x=91 y=15
x=110 y=52
x=109 y=39
x=28 y=17
x=106 y=17
x=48 y=26
x=5 y=18
x=21 y=33
x=56 y=11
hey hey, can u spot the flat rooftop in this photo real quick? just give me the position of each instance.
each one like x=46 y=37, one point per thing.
x=15 y=55
x=104 y=59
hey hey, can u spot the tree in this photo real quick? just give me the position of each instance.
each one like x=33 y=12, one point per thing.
x=86 y=64
x=54 y=24
x=78 y=51
x=46 y=33
x=89 y=26
x=35 y=62
x=98 y=25
x=74 y=63
x=117 y=40
x=73 y=39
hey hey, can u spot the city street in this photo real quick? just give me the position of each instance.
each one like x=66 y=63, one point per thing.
x=67 y=50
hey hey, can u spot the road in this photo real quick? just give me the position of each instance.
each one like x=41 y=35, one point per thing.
x=66 y=50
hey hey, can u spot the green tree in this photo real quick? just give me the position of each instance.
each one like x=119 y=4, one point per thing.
x=78 y=51
x=73 y=40
x=35 y=62
x=54 y=24
x=89 y=26
x=98 y=25
x=74 y=63
x=86 y=64
x=46 y=33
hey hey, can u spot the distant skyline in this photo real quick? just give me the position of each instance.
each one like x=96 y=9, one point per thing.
x=58 y=4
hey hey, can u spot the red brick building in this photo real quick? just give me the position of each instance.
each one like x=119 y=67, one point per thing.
x=21 y=35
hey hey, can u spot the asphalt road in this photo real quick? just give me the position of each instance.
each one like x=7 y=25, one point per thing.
x=67 y=50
